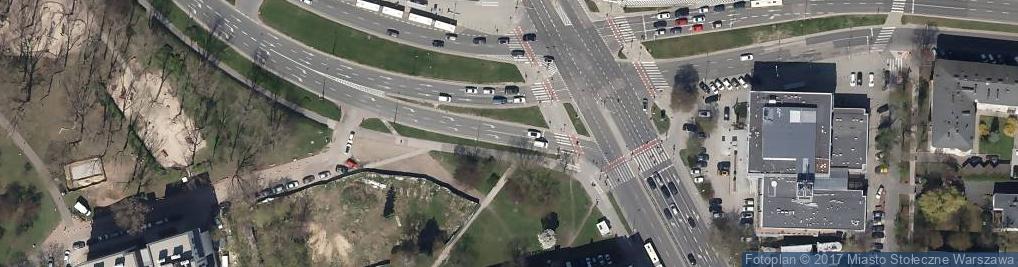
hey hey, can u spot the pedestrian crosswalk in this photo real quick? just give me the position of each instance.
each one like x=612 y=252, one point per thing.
x=657 y=79
x=897 y=62
x=899 y=6
x=882 y=39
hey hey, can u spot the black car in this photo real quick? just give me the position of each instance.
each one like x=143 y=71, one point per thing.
x=480 y=40
x=673 y=188
x=517 y=53
x=651 y=183
x=739 y=4
x=78 y=244
x=644 y=104
x=682 y=12
x=676 y=30
x=309 y=178
x=727 y=110
x=549 y=59
x=703 y=157
x=340 y=168
x=692 y=259
x=660 y=24
x=668 y=214
x=511 y=90
x=878 y=228
x=691 y=221
x=878 y=234
x=503 y=40
x=711 y=99
x=701 y=135
x=529 y=37
x=689 y=127
x=745 y=221
x=878 y=245
x=498 y=100
x=665 y=193
x=715 y=201
x=719 y=8
x=437 y=43
x=392 y=32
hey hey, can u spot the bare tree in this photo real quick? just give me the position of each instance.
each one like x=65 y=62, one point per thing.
x=684 y=92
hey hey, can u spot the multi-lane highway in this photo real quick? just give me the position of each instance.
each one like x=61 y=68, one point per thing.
x=611 y=105
x=371 y=89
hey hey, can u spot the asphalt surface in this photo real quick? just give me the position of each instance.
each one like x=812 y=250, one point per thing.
x=295 y=61
x=611 y=97
x=311 y=69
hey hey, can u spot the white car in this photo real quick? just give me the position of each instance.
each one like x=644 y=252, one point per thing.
x=488 y=90
x=704 y=9
x=660 y=31
x=727 y=83
x=664 y=15
x=443 y=97
x=749 y=202
x=742 y=82
x=349 y=147
x=541 y=143
x=350 y=139
x=851 y=79
x=534 y=133
x=746 y=57
x=880 y=192
x=699 y=18
x=694 y=171
x=471 y=89
x=306 y=2
x=871 y=80
x=747 y=208
x=519 y=99
x=698 y=179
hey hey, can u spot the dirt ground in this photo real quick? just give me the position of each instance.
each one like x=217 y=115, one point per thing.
x=167 y=132
x=55 y=32
x=346 y=226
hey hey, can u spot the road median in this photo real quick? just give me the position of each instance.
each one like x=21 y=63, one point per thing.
x=348 y=43
x=528 y=115
x=734 y=38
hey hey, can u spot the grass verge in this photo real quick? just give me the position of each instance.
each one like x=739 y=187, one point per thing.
x=721 y=40
x=591 y=6
x=959 y=23
x=480 y=172
x=259 y=76
x=660 y=118
x=363 y=48
x=529 y=115
x=641 y=9
x=575 y=118
x=532 y=200
x=437 y=137
x=374 y=124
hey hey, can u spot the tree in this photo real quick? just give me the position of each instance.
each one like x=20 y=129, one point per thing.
x=934 y=240
x=1010 y=126
x=547 y=239
x=129 y=214
x=959 y=241
x=940 y=205
x=684 y=94
x=390 y=203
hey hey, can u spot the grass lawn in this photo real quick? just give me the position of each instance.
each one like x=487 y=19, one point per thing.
x=481 y=173
x=1003 y=146
x=589 y=232
x=529 y=115
x=230 y=57
x=591 y=6
x=363 y=48
x=615 y=205
x=959 y=23
x=575 y=118
x=16 y=169
x=661 y=121
x=374 y=124
x=721 y=40
x=437 y=137
x=514 y=218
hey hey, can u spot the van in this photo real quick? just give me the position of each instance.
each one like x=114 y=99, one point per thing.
x=443 y=97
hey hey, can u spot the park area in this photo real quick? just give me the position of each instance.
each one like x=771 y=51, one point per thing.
x=27 y=214
x=721 y=40
x=532 y=200
x=996 y=136
x=357 y=221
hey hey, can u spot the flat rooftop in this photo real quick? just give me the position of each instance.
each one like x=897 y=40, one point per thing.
x=839 y=209
x=789 y=132
x=958 y=89
x=849 y=138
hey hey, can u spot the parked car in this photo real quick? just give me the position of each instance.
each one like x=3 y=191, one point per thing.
x=549 y=59
x=682 y=12
x=660 y=24
x=438 y=43
x=451 y=36
x=675 y=30
x=645 y=104
x=699 y=18
x=291 y=185
x=470 y=89
x=704 y=113
x=663 y=15
x=727 y=109
x=503 y=40
x=746 y=57
x=78 y=244
x=717 y=24
x=872 y=83
x=704 y=9
x=739 y=4
x=324 y=174
x=689 y=127
x=541 y=143
x=499 y=100
x=851 y=79
x=517 y=53
x=660 y=31
x=878 y=228
x=682 y=21
x=694 y=171
x=878 y=235
x=392 y=32
x=308 y=179
x=278 y=189
x=719 y=8
x=443 y=97
x=480 y=40
x=665 y=193
x=698 y=28
x=488 y=90
x=340 y=168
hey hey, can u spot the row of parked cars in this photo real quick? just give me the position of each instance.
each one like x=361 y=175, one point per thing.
x=682 y=18
x=512 y=91
x=289 y=184
x=725 y=84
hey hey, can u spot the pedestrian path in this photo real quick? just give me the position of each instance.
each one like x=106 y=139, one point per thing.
x=882 y=39
x=540 y=91
x=898 y=6
x=657 y=80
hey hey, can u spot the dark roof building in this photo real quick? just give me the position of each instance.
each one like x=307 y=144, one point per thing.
x=1005 y=206
x=781 y=126
x=959 y=90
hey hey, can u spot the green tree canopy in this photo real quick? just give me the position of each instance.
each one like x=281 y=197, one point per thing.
x=940 y=205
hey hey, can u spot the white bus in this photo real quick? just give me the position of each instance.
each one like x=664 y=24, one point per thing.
x=764 y=3
x=654 y=259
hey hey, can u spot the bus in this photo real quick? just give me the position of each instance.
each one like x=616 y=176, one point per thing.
x=654 y=259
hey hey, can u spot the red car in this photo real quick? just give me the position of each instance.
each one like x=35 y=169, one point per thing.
x=352 y=164
x=682 y=21
x=698 y=28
